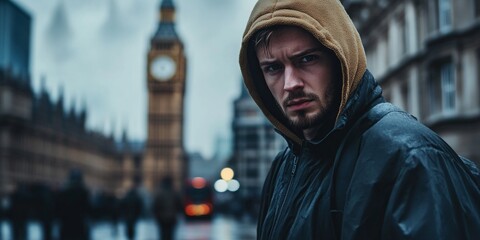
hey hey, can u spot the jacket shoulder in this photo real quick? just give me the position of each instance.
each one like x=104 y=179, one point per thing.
x=399 y=130
x=398 y=140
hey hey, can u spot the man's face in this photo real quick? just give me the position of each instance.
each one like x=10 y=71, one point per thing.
x=300 y=74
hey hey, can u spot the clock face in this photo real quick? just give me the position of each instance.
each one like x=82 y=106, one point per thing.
x=163 y=68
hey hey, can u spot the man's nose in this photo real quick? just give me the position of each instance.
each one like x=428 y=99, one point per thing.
x=292 y=79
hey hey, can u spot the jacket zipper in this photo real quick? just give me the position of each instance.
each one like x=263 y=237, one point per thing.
x=294 y=168
x=284 y=197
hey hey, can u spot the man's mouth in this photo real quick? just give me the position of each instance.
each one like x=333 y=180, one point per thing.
x=298 y=104
x=297 y=101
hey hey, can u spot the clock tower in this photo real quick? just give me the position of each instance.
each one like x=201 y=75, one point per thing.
x=164 y=152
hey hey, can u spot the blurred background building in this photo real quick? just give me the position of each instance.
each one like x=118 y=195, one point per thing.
x=15 y=28
x=426 y=56
x=255 y=145
x=42 y=140
x=47 y=151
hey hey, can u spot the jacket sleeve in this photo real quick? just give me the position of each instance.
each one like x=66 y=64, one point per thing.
x=434 y=197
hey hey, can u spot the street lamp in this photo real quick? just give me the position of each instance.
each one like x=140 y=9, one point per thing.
x=221 y=185
x=227 y=174
x=233 y=185
x=226 y=182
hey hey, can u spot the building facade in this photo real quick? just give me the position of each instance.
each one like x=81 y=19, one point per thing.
x=15 y=28
x=42 y=141
x=426 y=56
x=255 y=145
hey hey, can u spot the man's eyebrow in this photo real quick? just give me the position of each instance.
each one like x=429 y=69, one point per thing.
x=294 y=56
x=307 y=51
x=266 y=62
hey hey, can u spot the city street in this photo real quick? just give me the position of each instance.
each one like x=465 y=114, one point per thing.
x=219 y=228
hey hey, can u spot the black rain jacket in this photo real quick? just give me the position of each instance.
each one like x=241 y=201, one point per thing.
x=379 y=174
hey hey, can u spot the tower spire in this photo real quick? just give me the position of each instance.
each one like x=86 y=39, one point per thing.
x=166 y=25
x=167 y=4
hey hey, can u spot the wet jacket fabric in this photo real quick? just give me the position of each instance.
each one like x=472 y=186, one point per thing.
x=378 y=173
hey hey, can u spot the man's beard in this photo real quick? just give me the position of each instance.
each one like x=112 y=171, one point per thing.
x=301 y=120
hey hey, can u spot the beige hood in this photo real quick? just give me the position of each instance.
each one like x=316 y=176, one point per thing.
x=327 y=21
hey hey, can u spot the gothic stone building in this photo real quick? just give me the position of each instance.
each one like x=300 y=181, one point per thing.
x=426 y=56
x=41 y=141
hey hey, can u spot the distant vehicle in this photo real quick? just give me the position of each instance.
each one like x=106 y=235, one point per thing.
x=198 y=202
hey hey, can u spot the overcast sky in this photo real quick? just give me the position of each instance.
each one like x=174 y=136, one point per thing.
x=95 y=52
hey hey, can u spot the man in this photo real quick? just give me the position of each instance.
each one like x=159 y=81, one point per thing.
x=355 y=166
x=73 y=208
x=166 y=206
x=132 y=207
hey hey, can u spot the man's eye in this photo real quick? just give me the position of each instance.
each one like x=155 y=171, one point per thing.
x=308 y=58
x=271 y=68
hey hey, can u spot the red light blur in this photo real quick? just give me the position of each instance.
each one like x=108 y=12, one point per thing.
x=198 y=209
x=199 y=182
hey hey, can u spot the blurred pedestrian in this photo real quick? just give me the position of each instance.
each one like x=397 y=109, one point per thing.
x=356 y=166
x=19 y=211
x=166 y=205
x=132 y=206
x=44 y=209
x=74 y=209
x=114 y=213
